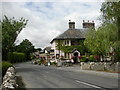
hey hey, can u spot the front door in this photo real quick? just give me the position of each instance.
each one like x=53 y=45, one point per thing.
x=75 y=57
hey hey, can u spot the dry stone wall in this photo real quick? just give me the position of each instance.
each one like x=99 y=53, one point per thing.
x=9 y=80
x=101 y=66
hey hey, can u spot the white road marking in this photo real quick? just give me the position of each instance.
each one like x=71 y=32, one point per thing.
x=87 y=84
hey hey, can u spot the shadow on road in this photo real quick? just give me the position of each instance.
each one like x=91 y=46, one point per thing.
x=21 y=84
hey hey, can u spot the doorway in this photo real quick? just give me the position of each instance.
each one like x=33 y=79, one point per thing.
x=75 y=57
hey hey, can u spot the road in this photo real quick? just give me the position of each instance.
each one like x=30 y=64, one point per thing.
x=35 y=76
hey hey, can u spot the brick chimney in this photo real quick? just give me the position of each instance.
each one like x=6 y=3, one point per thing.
x=71 y=25
x=88 y=24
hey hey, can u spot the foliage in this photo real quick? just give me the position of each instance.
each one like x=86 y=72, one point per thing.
x=116 y=47
x=4 y=66
x=59 y=44
x=110 y=11
x=83 y=59
x=91 y=58
x=10 y=30
x=99 y=41
x=14 y=57
x=25 y=47
x=68 y=49
x=53 y=63
x=111 y=14
x=107 y=35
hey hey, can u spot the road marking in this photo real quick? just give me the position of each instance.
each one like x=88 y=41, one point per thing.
x=87 y=84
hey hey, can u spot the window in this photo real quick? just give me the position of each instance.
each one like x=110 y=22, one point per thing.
x=66 y=42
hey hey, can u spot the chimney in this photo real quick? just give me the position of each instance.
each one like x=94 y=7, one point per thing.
x=71 y=25
x=88 y=24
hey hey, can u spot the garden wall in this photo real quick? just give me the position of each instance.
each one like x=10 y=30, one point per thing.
x=101 y=66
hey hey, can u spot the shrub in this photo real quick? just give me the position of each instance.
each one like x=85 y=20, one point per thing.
x=14 y=57
x=83 y=59
x=53 y=63
x=4 y=66
x=91 y=58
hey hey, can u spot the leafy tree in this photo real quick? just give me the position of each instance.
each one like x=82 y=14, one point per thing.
x=111 y=14
x=25 y=47
x=110 y=11
x=99 y=41
x=10 y=30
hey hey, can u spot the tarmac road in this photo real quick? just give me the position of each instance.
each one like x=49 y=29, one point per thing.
x=35 y=76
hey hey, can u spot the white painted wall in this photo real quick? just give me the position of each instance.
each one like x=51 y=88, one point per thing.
x=62 y=53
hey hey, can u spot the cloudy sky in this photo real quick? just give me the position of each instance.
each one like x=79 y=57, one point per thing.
x=49 y=19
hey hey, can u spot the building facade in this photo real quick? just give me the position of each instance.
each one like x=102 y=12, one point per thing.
x=70 y=38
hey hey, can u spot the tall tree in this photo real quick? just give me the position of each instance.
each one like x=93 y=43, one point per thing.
x=111 y=14
x=26 y=47
x=10 y=30
x=99 y=41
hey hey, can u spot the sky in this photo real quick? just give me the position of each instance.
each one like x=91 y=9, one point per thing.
x=46 y=20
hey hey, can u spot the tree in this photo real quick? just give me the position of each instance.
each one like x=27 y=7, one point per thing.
x=25 y=47
x=99 y=41
x=59 y=45
x=111 y=14
x=10 y=30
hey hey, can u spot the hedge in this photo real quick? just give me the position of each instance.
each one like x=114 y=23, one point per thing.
x=14 y=57
x=4 y=66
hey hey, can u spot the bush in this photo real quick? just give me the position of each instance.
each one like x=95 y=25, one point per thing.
x=4 y=66
x=83 y=59
x=14 y=57
x=53 y=63
x=91 y=58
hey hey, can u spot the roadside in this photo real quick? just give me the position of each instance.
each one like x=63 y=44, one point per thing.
x=76 y=68
x=20 y=82
x=39 y=76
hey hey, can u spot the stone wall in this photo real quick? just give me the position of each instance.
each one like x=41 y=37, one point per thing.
x=101 y=66
x=9 y=80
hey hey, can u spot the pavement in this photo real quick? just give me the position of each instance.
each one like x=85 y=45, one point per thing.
x=37 y=76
